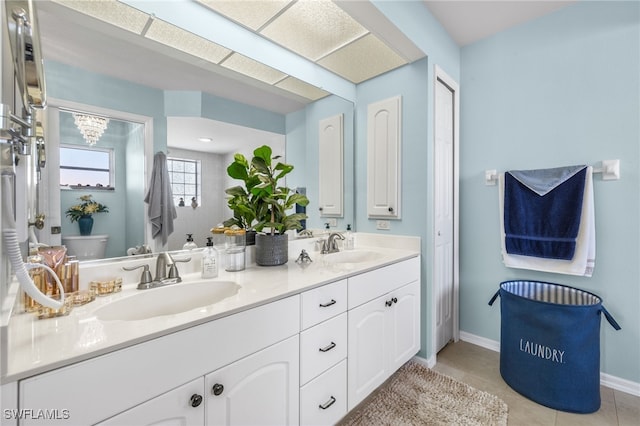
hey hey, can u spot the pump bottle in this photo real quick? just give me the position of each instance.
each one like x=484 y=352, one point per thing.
x=210 y=260
x=189 y=245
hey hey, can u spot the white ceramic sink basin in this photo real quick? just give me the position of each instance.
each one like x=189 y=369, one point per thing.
x=351 y=256
x=168 y=300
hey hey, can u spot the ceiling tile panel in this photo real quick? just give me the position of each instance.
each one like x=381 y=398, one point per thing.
x=250 y=13
x=253 y=69
x=313 y=28
x=187 y=42
x=112 y=12
x=363 y=59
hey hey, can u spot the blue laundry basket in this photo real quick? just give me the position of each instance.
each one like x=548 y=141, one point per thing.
x=550 y=343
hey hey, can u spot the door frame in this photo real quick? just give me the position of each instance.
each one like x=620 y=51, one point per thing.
x=443 y=77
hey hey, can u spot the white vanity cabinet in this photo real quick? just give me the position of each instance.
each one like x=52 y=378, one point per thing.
x=261 y=389
x=384 y=325
x=183 y=405
x=323 y=352
x=103 y=387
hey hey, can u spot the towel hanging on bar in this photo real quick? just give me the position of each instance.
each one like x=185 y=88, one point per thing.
x=561 y=234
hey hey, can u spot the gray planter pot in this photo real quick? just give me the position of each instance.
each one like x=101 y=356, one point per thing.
x=272 y=250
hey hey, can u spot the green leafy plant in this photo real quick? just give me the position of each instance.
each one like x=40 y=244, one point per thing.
x=261 y=203
x=87 y=208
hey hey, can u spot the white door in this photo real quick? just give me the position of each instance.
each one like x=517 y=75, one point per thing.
x=183 y=406
x=368 y=348
x=405 y=325
x=445 y=193
x=261 y=389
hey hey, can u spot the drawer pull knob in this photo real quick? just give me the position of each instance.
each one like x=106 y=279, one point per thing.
x=327 y=404
x=328 y=347
x=195 y=400
x=326 y=305
x=217 y=389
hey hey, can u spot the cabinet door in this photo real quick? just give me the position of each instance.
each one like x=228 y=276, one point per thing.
x=261 y=389
x=183 y=406
x=384 y=120
x=368 y=346
x=404 y=325
x=330 y=166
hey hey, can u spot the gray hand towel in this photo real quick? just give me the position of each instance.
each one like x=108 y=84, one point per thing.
x=161 y=209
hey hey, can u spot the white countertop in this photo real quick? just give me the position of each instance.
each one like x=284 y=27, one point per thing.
x=32 y=346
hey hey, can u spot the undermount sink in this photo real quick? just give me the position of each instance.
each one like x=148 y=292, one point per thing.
x=351 y=256
x=169 y=300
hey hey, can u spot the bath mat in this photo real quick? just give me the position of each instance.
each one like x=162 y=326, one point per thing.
x=416 y=395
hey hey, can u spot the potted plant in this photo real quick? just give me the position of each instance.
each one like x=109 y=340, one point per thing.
x=263 y=205
x=83 y=213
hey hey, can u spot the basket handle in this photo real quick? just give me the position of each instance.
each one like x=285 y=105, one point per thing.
x=493 y=299
x=609 y=318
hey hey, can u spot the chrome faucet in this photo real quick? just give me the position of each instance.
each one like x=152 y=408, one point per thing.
x=331 y=245
x=164 y=260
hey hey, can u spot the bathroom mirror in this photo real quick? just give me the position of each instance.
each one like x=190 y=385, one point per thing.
x=81 y=77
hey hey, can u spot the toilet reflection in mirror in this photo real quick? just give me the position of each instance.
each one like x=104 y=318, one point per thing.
x=86 y=247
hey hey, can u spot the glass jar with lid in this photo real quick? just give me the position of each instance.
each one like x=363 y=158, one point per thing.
x=235 y=244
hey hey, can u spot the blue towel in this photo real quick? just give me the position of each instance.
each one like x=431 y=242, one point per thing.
x=546 y=225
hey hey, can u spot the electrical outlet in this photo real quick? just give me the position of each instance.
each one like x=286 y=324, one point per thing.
x=56 y=229
x=383 y=224
x=333 y=222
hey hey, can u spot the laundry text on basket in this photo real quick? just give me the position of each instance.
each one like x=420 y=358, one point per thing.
x=541 y=351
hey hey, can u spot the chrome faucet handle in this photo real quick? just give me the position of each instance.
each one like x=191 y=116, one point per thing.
x=145 y=278
x=173 y=268
x=304 y=257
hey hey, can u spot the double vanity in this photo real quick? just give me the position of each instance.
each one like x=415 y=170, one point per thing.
x=302 y=343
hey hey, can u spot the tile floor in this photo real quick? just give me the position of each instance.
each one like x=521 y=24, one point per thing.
x=480 y=368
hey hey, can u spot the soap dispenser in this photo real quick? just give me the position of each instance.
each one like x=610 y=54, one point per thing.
x=210 y=260
x=189 y=245
x=349 y=239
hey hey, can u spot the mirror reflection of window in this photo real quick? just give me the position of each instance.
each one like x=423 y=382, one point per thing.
x=185 y=177
x=86 y=167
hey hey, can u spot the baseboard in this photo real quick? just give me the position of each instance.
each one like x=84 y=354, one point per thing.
x=607 y=380
x=429 y=363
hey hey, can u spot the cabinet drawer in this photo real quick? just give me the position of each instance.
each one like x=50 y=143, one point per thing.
x=322 y=303
x=368 y=286
x=322 y=346
x=323 y=401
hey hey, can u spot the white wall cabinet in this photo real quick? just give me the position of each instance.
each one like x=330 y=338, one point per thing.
x=384 y=173
x=331 y=166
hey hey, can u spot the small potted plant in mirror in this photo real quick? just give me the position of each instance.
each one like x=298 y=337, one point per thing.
x=83 y=213
x=266 y=203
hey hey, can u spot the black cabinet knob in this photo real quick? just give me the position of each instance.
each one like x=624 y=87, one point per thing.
x=394 y=300
x=391 y=209
x=217 y=389
x=196 y=400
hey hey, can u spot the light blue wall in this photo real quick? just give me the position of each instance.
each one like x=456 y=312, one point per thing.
x=415 y=83
x=560 y=90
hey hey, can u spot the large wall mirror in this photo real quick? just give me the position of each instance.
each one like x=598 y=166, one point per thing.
x=158 y=102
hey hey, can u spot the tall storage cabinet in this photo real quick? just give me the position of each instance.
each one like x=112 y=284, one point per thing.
x=384 y=119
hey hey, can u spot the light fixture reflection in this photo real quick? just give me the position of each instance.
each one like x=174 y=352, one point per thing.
x=91 y=126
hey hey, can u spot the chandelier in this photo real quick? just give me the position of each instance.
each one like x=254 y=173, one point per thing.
x=91 y=126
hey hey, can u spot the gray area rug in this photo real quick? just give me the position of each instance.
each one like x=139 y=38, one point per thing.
x=416 y=395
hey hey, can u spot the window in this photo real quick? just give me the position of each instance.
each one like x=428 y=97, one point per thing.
x=86 y=167
x=185 y=180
